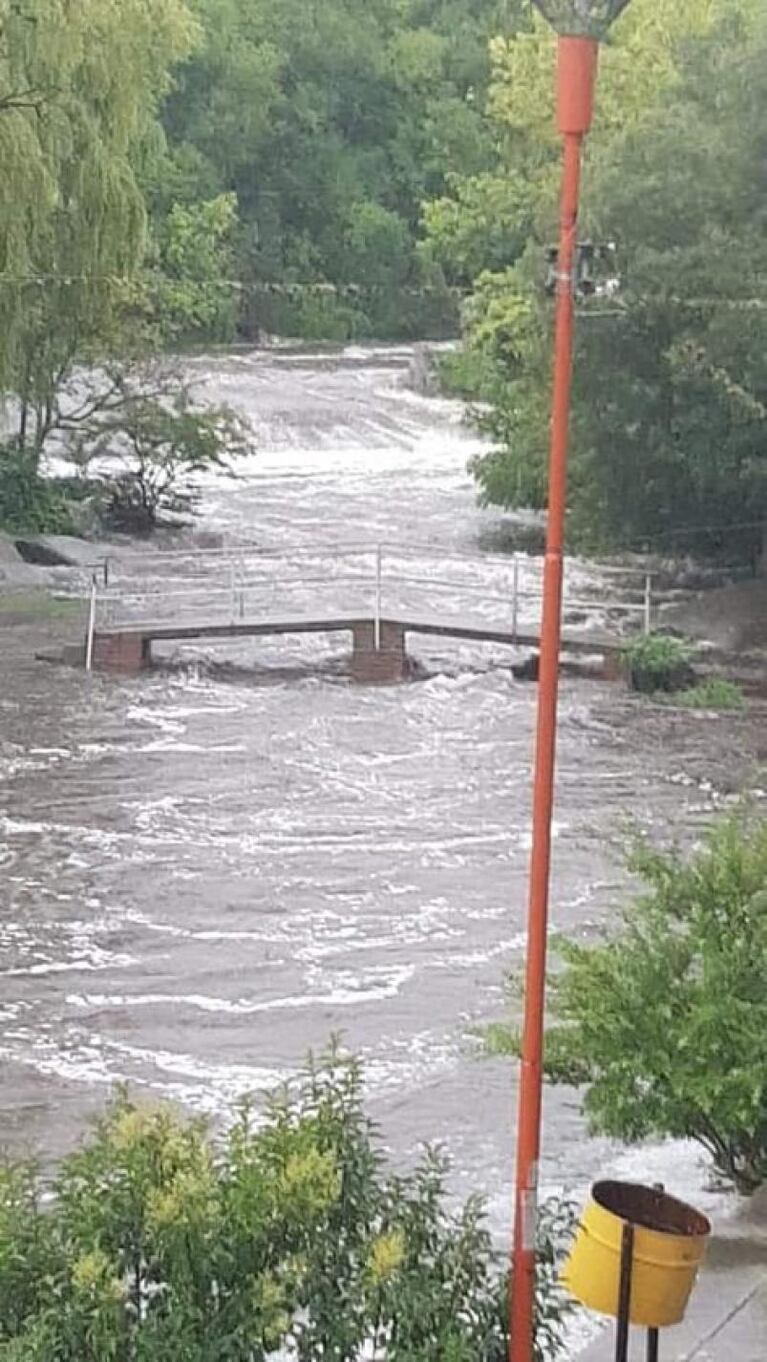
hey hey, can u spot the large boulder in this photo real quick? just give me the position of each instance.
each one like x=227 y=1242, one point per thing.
x=15 y=573
x=422 y=371
x=60 y=550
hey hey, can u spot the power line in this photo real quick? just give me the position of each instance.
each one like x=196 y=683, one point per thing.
x=640 y=542
x=318 y=289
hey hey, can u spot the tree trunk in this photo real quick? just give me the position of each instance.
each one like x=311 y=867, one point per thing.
x=23 y=424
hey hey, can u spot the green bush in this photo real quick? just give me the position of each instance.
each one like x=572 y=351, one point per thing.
x=665 y=1023
x=462 y=374
x=658 y=662
x=287 y=1236
x=714 y=693
x=30 y=504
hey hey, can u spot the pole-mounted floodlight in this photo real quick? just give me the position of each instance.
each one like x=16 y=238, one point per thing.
x=580 y=25
x=581 y=18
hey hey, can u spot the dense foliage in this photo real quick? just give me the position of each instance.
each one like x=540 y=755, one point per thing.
x=174 y=170
x=286 y=1237
x=332 y=122
x=664 y=1024
x=183 y=170
x=80 y=88
x=670 y=380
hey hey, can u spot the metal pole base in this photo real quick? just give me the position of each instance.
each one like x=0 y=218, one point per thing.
x=624 y=1304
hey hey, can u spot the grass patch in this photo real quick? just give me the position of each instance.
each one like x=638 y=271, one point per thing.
x=38 y=605
x=715 y=693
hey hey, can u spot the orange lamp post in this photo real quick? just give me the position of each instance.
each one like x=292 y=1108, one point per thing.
x=580 y=25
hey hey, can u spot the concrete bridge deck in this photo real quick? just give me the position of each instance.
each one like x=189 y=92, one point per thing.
x=379 y=652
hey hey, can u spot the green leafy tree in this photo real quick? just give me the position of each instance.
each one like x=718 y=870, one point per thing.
x=664 y=1024
x=79 y=91
x=496 y=211
x=669 y=393
x=80 y=87
x=188 y=287
x=331 y=122
x=148 y=440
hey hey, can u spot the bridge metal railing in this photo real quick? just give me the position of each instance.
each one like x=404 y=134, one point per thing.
x=403 y=581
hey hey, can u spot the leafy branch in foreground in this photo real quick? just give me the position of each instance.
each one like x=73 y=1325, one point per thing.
x=664 y=1024
x=286 y=1237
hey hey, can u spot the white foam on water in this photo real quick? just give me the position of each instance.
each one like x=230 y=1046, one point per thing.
x=210 y=1087
x=398 y=1065
x=277 y=935
x=142 y=714
x=96 y=960
x=84 y=1064
x=467 y=959
x=370 y=986
x=170 y=744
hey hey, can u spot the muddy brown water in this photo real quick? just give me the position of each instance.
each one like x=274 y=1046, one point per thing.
x=210 y=868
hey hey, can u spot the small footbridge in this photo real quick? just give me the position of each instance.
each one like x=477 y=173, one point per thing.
x=379 y=595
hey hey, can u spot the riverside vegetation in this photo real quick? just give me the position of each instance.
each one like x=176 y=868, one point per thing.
x=660 y=665
x=184 y=171
x=178 y=171
x=670 y=390
x=663 y=1024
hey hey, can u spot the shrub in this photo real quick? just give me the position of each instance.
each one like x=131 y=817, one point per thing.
x=665 y=1024
x=658 y=662
x=284 y=1237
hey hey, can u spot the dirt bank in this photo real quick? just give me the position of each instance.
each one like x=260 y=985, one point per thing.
x=731 y=618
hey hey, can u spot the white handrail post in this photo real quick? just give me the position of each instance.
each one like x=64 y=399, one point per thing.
x=379 y=589
x=233 y=583
x=648 y=603
x=515 y=600
x=91 y=626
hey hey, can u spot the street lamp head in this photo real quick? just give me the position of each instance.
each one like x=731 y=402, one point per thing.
x=581 y=18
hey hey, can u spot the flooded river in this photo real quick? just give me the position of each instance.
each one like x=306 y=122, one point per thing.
x=205 y=872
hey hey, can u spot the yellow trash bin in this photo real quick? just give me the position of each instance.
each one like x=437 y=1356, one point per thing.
x=669 y=1244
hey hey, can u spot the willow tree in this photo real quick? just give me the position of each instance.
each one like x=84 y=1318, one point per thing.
x=79 y=90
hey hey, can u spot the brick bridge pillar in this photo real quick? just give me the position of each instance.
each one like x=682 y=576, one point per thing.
x=384 y=666
x=613 y=666
x=121 y=652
